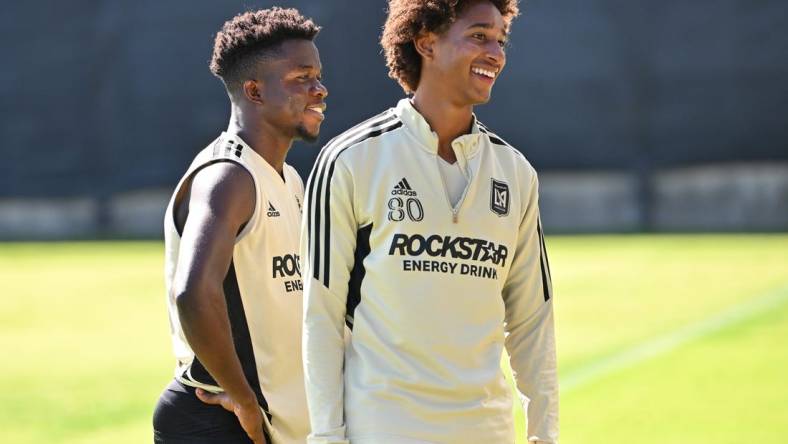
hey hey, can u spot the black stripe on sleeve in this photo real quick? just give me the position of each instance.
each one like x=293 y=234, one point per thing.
x=492 y=136
x=497 y=140
x=322 y=174
x=542 y=262
x=310 y=196
x=327 y=236
x=317 y=175
x=357 y=274
x=544 y=250
x=315 y=215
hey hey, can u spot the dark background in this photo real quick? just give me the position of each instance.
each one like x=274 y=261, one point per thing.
x=100 y=97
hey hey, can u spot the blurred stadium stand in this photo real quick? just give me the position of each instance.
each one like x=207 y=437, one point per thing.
x=640 y=116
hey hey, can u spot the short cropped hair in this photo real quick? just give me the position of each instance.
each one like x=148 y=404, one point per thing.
x=248 y=36
x=409 y=18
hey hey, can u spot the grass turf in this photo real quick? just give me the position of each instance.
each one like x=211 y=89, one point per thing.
x=86 y=347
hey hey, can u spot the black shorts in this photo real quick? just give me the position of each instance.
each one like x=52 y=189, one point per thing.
x=181 y=418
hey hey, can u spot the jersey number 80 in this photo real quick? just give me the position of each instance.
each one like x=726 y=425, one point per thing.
x=398 y=208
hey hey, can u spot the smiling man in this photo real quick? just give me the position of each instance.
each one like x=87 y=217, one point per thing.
x=231 y=244
x=422 y=236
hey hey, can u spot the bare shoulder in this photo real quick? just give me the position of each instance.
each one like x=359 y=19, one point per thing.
x=225 y=189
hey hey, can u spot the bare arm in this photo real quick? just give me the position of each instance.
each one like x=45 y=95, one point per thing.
x=221 y=201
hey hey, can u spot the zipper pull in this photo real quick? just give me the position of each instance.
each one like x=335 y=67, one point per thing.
x=454 y=217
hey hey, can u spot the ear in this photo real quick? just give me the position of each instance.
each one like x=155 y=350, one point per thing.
x=252 y=90
x=425 y=45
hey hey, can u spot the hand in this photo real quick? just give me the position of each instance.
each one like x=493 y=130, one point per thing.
x=249 y=415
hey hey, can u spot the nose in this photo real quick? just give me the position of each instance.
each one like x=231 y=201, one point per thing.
x=496 y=54
x=318 y=89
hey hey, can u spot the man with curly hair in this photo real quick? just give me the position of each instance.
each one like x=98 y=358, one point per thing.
x=231 y=245
x=422 y=236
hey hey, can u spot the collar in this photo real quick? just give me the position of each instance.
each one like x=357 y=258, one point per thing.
x=465 y=146
x=235 y=138
x=249 y=154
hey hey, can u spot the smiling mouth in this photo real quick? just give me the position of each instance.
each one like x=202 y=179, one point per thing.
x=319 y=109
x=490 y=74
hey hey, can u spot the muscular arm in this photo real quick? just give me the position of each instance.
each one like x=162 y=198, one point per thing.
x=220 y=202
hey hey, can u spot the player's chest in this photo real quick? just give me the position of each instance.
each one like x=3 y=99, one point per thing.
x=279 y=211
x=419 y=198
x=415 y=222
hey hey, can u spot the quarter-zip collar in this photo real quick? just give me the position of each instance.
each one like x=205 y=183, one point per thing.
x=465 y=146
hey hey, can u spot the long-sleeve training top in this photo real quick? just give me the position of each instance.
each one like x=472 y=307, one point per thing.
x=432 y=292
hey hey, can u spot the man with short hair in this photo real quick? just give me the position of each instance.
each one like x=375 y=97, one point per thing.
x=422 y=235
x=231 y=244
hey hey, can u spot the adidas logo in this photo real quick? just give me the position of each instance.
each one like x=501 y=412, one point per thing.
x=272 y=212
x=402 y=188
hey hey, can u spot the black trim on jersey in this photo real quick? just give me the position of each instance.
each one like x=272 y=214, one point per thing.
x=493 y=138
x=327 y=235
x=497 y=140
x=317 y=173
x=230 y=147
x=370 y=132
x=241 y=338
x=544 y=249
x=357 y=274
x=188 y=182
x=324 y=168
x=544 y=265
x=544 y=262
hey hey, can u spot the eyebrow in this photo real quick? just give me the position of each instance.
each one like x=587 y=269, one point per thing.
x=486 y=25
x=305 y=67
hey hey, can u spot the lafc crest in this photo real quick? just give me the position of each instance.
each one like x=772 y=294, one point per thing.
x=499 y=198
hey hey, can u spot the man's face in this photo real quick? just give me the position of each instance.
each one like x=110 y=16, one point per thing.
x=470 y=54
x=292 y=94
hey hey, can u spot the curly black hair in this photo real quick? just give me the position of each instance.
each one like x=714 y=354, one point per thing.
x=408 y=18
x=252 y=34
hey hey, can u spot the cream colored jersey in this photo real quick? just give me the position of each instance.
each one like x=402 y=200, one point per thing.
x=432 y=289
x=263 y=292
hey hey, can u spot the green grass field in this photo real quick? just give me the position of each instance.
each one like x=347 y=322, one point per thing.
x=662 y=339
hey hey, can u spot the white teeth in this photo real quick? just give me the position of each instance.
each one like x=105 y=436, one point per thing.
x=316 y=109
x=483 y=72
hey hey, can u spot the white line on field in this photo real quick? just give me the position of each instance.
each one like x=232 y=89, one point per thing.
x=663 y=344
